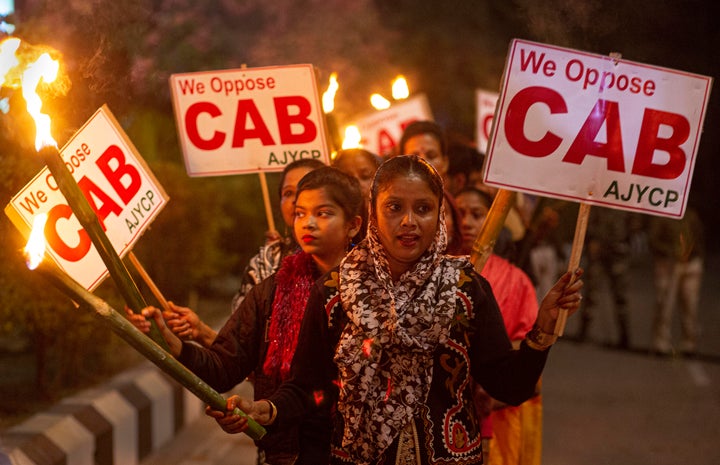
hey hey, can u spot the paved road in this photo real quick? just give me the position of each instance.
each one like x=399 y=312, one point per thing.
x=601 y=405
x=205 y=443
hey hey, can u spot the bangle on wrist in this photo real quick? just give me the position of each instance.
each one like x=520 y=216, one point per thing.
x=273 y=412
x=538 y=339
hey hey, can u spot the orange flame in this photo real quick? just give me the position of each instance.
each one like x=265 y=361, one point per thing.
x=46 y=69
x=379 y=102
x=8 y=57
x=352 y=138
x=328 y=97
x=26 y=66
x=400 y=89
x=35 y=247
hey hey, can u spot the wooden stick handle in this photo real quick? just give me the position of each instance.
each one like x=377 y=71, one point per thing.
x=575 y=255
x=148 y=280
x=266 y=200
x=485 y=241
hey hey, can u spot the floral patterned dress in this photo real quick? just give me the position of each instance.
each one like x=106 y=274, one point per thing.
x=442 y=427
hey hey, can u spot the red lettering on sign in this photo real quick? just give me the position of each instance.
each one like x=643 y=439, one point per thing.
x=247 y=109
x=107 y=206
x=649 y=142
x=286 y=120
x=71 y=254
x=293 y=122
x=386 y=143
x=487 y=126
x=188 y=86
x=515 y=121
x=603 y=113
x=123 y=172
x=548 y=68
x=191 y=126
x=585 y=144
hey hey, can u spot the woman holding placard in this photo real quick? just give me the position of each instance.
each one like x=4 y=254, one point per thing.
x=391 y=339
x=262 y=332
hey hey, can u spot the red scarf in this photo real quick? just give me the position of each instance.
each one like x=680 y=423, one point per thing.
x=294 y=280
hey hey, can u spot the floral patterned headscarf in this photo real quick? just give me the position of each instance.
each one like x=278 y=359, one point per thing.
x=385 y=353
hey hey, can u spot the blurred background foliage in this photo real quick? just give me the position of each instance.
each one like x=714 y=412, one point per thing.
x=122 y=54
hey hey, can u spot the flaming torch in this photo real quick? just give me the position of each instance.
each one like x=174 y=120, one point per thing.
x=379 y=102
x=45 y=69
x=352 y=138
x=328 y=104
x=35 y=251
x=400 y=90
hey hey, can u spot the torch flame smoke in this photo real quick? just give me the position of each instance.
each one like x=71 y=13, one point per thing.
x=35 y=247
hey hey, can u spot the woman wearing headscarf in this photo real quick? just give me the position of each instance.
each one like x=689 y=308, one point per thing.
x=391 y=340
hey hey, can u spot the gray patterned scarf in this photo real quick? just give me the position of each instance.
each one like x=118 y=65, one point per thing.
x=385 y=353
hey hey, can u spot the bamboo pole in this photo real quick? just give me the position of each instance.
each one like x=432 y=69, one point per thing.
x=139 y=269
x=575 y=255
x=133 y=336
x=485 y=241
x=90 y=222
x=266 y=201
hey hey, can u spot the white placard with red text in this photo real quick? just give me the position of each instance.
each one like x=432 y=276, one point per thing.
x=248 y=120
x=590 y=128
x=485 y=105
x=118 y=185
x=380 y=131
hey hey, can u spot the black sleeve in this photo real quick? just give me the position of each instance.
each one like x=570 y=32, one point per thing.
x=506 y=374
x=310 y=385
x=235 y=352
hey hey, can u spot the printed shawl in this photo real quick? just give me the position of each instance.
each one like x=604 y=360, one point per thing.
x=385 y=353
x=294 y=280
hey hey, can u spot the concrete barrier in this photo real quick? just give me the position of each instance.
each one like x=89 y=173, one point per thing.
x=117 y=423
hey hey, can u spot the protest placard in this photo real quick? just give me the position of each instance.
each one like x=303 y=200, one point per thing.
x=596 y=129
x=117 y=183
x=249 y=119
x=381 y=130
x=485 y=108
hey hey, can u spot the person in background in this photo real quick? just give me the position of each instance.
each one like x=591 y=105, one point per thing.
x=541 y=252
x=608 y=254
x=516 y=432
x=270 y=255
x=262 y=332
x=185 y=323
x=428 y=140
x=678 y=251
x=464 y=168
x=362 y=165
x=391 y=339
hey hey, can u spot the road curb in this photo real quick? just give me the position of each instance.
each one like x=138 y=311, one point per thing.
x=118 y=423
